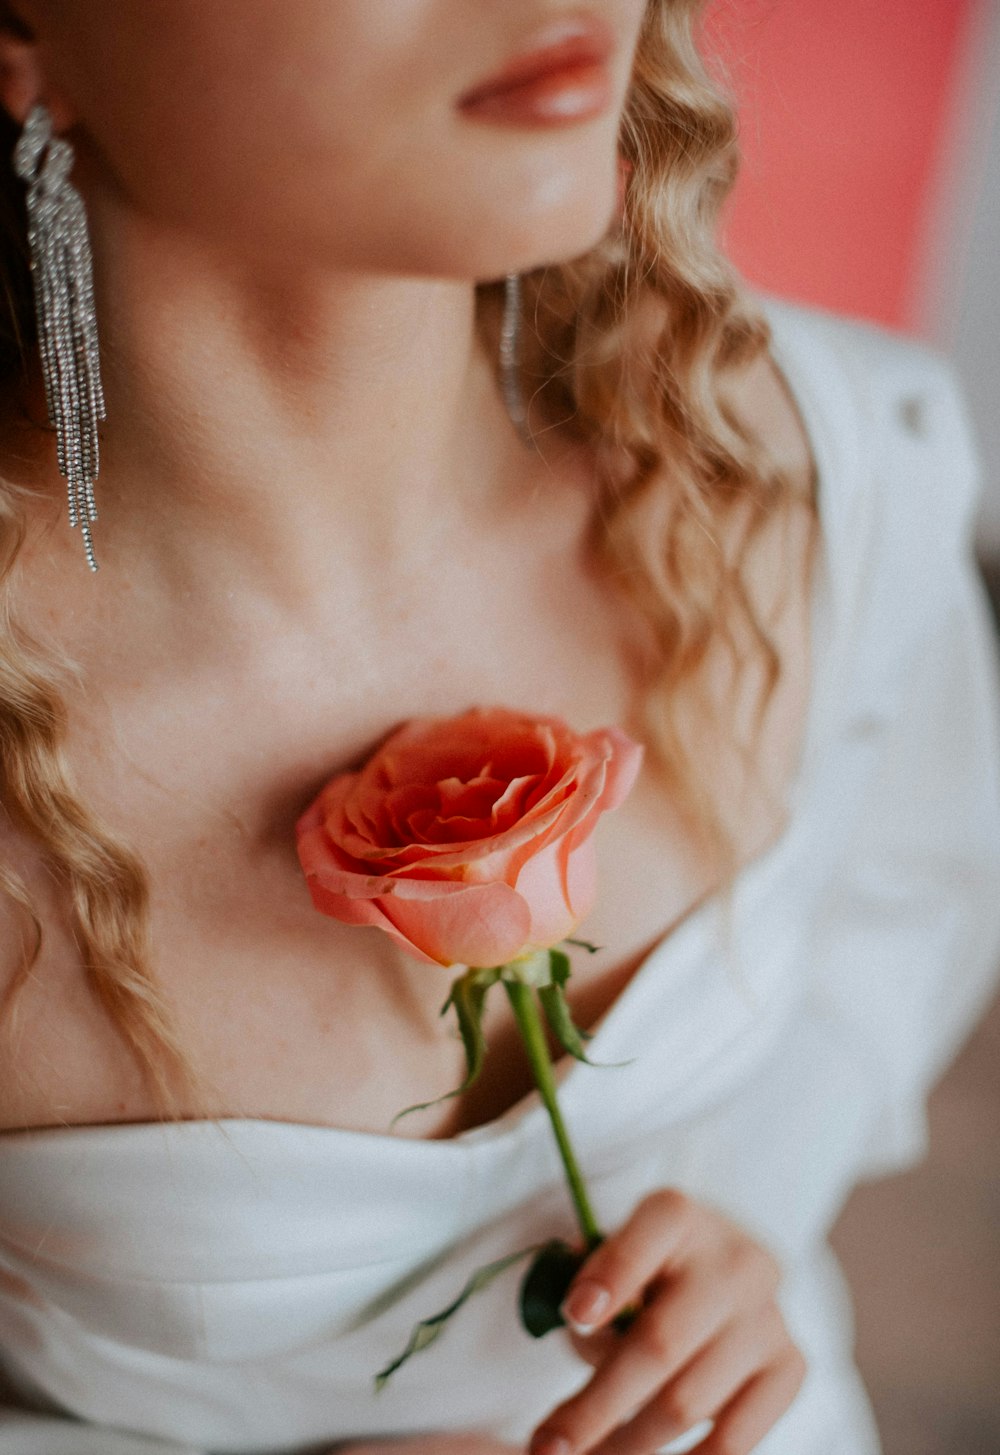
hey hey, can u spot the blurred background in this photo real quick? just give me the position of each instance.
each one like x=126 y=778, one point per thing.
x=871 y=187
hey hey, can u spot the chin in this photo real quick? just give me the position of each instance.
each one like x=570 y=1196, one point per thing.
x=572 y=240
x=519 y=243
x=474 y=233
x=563 y=218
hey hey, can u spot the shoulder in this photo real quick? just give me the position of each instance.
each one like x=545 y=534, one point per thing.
x=889 y=408
x=879 y=364
x=899 y=485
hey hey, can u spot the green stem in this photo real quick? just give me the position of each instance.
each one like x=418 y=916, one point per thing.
x=522 y=998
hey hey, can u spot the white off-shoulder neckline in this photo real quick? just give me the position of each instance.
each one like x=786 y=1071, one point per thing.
x=835 y=460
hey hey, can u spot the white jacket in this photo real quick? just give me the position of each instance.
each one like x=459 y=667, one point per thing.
x=234 y=1287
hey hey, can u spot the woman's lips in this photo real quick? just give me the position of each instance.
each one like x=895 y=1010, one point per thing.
x=564 y=78
x=572 y=93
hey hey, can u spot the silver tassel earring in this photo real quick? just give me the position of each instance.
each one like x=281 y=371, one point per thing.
x=62 y=271
x=510 y=356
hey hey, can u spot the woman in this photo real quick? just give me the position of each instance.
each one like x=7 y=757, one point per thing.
x=325 y=505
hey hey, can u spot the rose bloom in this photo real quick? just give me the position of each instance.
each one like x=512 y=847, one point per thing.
x=468 y=839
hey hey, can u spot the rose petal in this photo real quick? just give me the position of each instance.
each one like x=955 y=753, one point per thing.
x=427 y=749
x=361 y=912
x=579 y=873
x=511 y=805
x=540 y=884
x=624 y=760
x=485 y=857
x=481 y=925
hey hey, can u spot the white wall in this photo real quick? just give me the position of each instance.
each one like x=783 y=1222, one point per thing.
x=977 y=344
x=960 y=286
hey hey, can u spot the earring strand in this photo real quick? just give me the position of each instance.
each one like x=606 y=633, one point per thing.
x=62 y=273
x=510 y=356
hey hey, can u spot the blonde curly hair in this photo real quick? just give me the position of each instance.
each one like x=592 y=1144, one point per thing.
x=634 y=347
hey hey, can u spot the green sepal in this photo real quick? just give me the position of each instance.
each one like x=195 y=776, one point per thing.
x=560 y=969
x=427 y=1330
x=468 y=996
x=534 y=969
x=552 y=996
x=583 y=945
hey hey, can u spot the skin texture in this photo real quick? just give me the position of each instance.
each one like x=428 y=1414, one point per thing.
x=316 y=521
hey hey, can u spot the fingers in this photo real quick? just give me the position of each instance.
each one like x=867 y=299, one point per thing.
x=735 y=1360
x=745 y=1421
x=665 y=1336
x=707 y=1325
x=618 y=1270
x=682 y=1314
x=660 y=1236
x=658 y=1385
x=594 y=1349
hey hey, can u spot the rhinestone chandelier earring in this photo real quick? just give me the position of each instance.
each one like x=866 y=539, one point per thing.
x=62 y=274
x=510 y=356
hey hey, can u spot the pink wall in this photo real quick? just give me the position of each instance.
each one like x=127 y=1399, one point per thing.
x=844 y=105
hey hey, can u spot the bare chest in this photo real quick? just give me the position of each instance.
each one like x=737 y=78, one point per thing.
x=284 y=1013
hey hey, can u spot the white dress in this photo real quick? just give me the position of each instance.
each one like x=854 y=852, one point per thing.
x=234 y=1286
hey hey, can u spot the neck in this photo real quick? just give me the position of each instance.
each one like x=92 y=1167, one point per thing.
x=265 y=429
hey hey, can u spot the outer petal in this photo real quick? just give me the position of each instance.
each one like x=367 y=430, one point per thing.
x=617 y=774
x=541 y=883
x=361 y=912
x=624 y=763
x=312 y=818
x=580 y=877
x=319 y=855
x=479 y=925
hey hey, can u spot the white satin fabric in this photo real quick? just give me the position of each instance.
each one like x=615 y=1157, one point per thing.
x=234 y=1286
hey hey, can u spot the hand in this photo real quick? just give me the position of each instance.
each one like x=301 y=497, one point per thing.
x=708 y=1340
x=460 y=1444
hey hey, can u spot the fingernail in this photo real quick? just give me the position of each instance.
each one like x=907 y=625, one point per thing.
x=584 y=1305
x=549 y=1445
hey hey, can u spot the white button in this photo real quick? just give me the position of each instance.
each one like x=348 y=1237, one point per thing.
x=912 y=412
x=866 y=725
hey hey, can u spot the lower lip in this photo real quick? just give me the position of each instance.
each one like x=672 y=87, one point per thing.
x=556 y=98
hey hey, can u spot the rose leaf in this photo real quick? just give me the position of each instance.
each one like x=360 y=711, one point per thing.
x=547 y=1282
x=545 y=1285
x=427 y=1330
x=557 y=1012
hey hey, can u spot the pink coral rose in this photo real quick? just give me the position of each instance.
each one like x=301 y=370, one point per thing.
x=468 y=839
